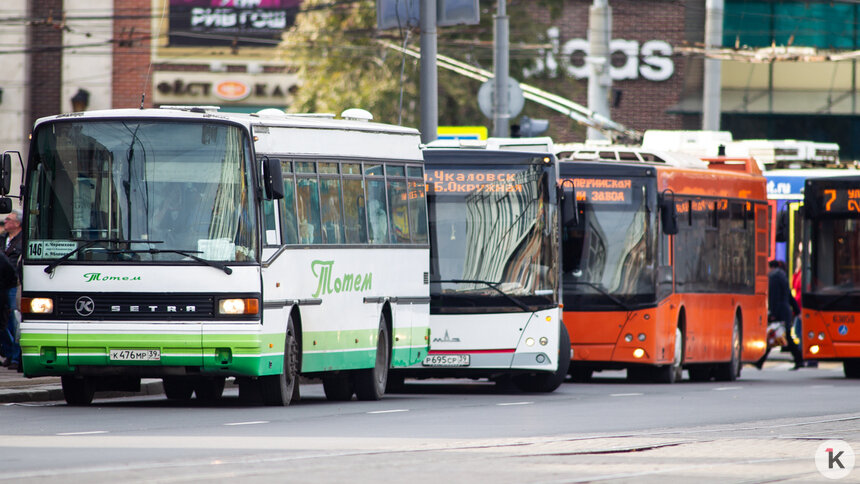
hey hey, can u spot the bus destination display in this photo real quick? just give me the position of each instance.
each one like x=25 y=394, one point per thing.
x=841 y=200
x=601 y=190
x=469 y=181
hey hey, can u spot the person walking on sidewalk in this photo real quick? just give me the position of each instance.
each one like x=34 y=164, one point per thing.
x=781 y=307
x=13 y=249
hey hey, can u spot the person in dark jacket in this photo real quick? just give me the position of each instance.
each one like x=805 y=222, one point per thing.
x=8 y=280
x=782 y=307
x=13 y=249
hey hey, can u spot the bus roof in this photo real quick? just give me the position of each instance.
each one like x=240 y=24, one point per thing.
x=627 y=154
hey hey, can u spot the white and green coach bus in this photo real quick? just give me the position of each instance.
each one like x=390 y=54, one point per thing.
x=494 y=267
x=191 y=245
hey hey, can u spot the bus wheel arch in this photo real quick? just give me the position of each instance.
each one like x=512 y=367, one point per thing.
x=674 y=371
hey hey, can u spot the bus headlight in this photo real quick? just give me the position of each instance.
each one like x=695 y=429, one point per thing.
x=38 y=305
x=814 y=349
x=642 y=336
x=811 y=334
x=543 y=340
x=821 y=336
x=638 y=353
x=628 y=337
x=530 y=341
x=238 y=306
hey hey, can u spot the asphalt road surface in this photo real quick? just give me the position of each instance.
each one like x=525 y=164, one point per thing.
x=766 y=427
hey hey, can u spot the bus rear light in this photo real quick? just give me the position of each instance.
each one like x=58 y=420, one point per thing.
x=239 y=306
x=642 y=336
x=628 y=337
x=638 y=353
x=821 y=336
x=814 y=349
x=37 y=305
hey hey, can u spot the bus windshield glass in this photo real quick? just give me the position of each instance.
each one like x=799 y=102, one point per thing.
x=608 y=252
x=141 y=190
x=835 y=255
x=493 y=236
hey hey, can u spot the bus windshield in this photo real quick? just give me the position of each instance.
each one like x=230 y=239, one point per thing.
x=141 y=190
x=835 y=255
x=608 y=254
x=493 y=237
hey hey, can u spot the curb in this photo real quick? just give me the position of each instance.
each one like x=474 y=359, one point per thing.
x=54 y=392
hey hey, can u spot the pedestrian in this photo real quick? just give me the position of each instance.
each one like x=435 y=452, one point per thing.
x=782 y=308
x=13 y=249
x=10 y=347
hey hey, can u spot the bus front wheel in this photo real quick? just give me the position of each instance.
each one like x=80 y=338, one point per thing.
x=672 y=372
x=78 y=391
x=851 y=367
x=732 y=370
x=278 y=390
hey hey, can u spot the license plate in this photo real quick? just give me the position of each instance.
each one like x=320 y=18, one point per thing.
x=446 y=360
x=135 y=355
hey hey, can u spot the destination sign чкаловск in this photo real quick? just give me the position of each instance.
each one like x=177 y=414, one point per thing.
x=470 y=181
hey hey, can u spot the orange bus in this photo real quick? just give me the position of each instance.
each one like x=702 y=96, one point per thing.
x=664 y=265
x=831 y=271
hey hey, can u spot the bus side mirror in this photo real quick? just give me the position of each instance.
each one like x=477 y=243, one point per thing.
x=569 y=207
x=668 y=215
x=782 y=226
x=273 y=178
x=5 y=174
x=5 y=205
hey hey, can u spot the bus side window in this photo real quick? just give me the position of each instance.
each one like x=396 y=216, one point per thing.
x=399 y=206
x=308 y=204
x=417 y=206
x=330 y=201
x=288 y=212
x=377 y=211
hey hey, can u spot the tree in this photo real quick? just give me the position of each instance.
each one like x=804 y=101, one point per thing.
x=343 y=64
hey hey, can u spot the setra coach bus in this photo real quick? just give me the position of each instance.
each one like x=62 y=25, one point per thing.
x=665 y=265
x=494 y=280
x=831 y=271
x=192 y=245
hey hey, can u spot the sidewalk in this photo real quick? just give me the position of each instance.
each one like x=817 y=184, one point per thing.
x=15 y=388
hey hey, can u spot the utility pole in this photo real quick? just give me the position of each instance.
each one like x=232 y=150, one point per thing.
x=712 y=84
x=501 y=66
x=599 y=79
x=429 y=78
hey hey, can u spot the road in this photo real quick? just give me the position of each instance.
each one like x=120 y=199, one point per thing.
x=765 y=427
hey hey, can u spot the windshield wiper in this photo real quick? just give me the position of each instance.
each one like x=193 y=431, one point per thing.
x=606 y=293
x=492 y=285
x=185 y=253
x=91 y=242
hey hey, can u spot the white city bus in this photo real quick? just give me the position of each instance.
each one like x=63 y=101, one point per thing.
x=192 y=245
x=494 y=269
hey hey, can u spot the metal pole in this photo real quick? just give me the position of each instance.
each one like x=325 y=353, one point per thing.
x=599 y=79
x=501 y=66
x=429 y=78
x=712 y=84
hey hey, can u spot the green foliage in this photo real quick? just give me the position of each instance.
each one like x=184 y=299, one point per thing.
x=343 y=63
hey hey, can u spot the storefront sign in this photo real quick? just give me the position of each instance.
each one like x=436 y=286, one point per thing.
x=224 y=88
x=252 y=23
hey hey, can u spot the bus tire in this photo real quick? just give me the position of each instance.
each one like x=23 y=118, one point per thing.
x=549 y=382
x=579 y=374
x=177 y=388
x=78 y=391
x=851 y=367
x=370 y=383
x=278 y=390
x=732 y=370
x=209 y=389
x=672 y=372
x=338 y=388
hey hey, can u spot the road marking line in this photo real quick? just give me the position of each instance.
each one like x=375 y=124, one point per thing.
x=253 y=422
x=722 y=389
x=390 y=411
x=625 y=394
x=93 y=432
x=513 y=403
